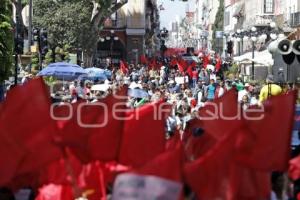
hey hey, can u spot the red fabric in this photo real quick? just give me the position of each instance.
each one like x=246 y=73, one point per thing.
x=26 y=120
x=102 y=141
x=294 y=168
x=206 y=60
x=217 y=175
x=218 y=64
x=144 y=59
x=221 y=116
x=173 y=62
x=123 y=67
x=198 y=146
x=182 y=65
x=12 y=155
x=271 y=135
x=167 y=165
x=55 y=192
x=190 y=71
x=195 y=74
x=140 y=143
x=173 y=142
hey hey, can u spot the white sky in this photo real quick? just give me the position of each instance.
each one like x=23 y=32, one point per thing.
x=173 y=10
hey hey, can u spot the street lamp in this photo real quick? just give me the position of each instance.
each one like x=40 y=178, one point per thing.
x=111 y=38
x=253 y=39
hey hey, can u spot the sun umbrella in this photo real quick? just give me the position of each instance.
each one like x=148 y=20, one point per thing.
x=138 y=93
x=62 y=70
x=97 y=73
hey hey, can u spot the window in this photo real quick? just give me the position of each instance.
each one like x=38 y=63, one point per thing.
x=269 y=6
x=227 y=18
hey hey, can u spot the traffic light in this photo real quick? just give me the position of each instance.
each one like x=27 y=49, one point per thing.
x=36 y=33
x=43 y=42
x=230 y=47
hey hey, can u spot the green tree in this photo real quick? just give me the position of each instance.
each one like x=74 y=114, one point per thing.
x=74 y=22
x=218 y=25
x=6 y=43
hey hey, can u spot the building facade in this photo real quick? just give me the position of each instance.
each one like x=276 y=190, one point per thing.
x=130 y=32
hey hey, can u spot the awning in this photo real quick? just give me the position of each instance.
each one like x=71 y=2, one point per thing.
x=239 y=10
x=260 y=57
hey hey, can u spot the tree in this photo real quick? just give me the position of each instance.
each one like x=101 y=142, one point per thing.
x=218 y=25
x=74 y=22
x=6 y=43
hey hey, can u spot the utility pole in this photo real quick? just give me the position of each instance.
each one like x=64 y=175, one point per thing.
x=30 y=25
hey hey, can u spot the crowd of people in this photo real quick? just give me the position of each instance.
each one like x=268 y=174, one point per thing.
x=186 y=91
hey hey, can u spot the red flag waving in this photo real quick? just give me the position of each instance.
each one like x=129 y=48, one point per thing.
x=144 y=59
x=166 y=165
x=271 y=136
x=104 y=143
x=294 y=168
x=218 y=64
x=141 y=144
x=123 y=67
x=29 y=107
x=221 y=116
x=206 y=60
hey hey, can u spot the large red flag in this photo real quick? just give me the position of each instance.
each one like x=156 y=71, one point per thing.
x=217 y=175
x=271 y=134
x=97 y=130
x=221 y=116
x=139 y=143
x=166 y=165
x=104 y=143
x=26 y=119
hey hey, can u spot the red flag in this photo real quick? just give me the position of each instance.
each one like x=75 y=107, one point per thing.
x=97 y=131
x=218 y=64
x=12 y=155
x=29 y=107
x=206 y=60
x=181 y=67
x=173 y=62
x=294 y=168
x=104 y=143
x=221 y=116
x=271 y=135
x=123 y=67
x=140 y=144
x=144 y=59
x=190 y=71
x=218 y=176
x=167 y=165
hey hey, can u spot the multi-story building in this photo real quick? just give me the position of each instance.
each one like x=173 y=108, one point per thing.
x=130 y=32
x=241 y=15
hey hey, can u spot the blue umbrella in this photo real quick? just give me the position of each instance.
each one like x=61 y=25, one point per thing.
x=138 y=93
x=62 y=70
x=95 y=73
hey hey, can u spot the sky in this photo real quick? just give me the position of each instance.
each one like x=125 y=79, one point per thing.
x=173 y=10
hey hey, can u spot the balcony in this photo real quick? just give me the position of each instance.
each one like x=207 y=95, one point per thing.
x=295 y=19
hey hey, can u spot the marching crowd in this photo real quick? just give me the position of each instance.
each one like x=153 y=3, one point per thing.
x=186 y=91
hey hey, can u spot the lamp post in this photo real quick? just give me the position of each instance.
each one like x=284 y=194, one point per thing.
x=112 y=37
x=253 y=39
